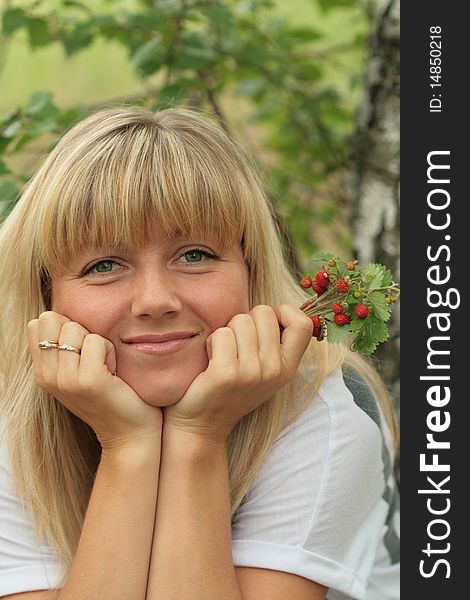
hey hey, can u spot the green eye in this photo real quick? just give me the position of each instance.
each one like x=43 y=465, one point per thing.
x=102 y=266
x=194 y=255
x=105 y=266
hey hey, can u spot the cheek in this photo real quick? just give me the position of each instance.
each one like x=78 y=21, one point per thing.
x=97 y=315
x=219 y=302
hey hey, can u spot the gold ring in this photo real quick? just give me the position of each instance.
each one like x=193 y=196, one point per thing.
x=48 y=344
x=69 y=348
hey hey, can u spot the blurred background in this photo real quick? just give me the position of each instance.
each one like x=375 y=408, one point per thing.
x=309 y=87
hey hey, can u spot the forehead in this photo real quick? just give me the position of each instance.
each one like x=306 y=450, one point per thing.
x=156 y=242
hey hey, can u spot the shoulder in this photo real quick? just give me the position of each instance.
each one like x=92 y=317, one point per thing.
x=330 y=455
x=317 y=506
x=344 y=417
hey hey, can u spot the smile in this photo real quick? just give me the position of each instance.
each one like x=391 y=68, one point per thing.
x=162 y=347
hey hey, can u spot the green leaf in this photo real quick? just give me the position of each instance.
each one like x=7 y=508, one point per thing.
x=219 y=15
x=71 y=116
x=12 y=128
x=304 y=34
x=147 y=53
x=322 y=256
x=387 y=277
x=368 y=338
x=38 y=102
x=109 y=27
x=38 y=33
x=78 y=38
x=337 y=334
x=174 y=92
x=23 y=141
x=43 y=126
x=13 y=19
x=194 y=58
x=356 y=324
x=381 y=309
x=373 y=274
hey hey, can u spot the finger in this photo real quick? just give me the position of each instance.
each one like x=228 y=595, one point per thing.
x=97 y=353
x=246 y=339
x=49 y=326
x=222 y=348
x=267 y=327
x=71 y=334
x=297 y=332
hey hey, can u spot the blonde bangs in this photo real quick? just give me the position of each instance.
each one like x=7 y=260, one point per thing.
x=137 y=180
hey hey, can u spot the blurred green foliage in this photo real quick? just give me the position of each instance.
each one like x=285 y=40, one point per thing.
x=200 y=52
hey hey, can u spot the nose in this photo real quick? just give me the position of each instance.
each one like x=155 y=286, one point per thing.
x=155 y=294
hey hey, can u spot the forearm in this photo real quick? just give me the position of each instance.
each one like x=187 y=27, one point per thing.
x=191 y=554
x=113 y=555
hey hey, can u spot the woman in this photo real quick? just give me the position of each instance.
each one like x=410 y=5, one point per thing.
x=163 y=437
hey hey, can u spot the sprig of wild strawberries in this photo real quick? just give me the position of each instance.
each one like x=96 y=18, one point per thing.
x=350 y=301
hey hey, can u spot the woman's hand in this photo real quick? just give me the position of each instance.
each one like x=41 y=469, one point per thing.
x=85 y=383
x=249 y=360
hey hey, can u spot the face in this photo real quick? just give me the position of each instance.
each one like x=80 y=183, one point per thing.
x=157 y=305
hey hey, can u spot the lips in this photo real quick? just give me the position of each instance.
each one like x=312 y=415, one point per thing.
x=155 y=338
x=160 y=343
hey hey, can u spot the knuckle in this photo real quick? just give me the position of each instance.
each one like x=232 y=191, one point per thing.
x=222 y=332
x=262 y=309
x=240 y=319
x=47 y=314
x=68 y=326
x=92 y=338
x=50 y=315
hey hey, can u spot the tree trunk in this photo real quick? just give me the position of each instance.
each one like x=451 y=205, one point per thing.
x=375 y=169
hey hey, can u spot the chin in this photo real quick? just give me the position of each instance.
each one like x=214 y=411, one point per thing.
x=165 y=386
x=162 y=393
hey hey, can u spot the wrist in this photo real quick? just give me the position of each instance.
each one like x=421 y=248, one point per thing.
x=133 y=452
x=192 y=441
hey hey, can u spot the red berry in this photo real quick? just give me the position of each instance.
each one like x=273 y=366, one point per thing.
x=306 y=282
x=362 y=311
x=337 y=308
x=342 y=319
x=316 y=323
x=342 y=286
x=320 y=289
x=322 y=278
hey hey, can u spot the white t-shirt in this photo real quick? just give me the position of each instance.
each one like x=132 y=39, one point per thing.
x=323 y=506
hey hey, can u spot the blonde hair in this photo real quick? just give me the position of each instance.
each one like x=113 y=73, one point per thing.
x=112 y=179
